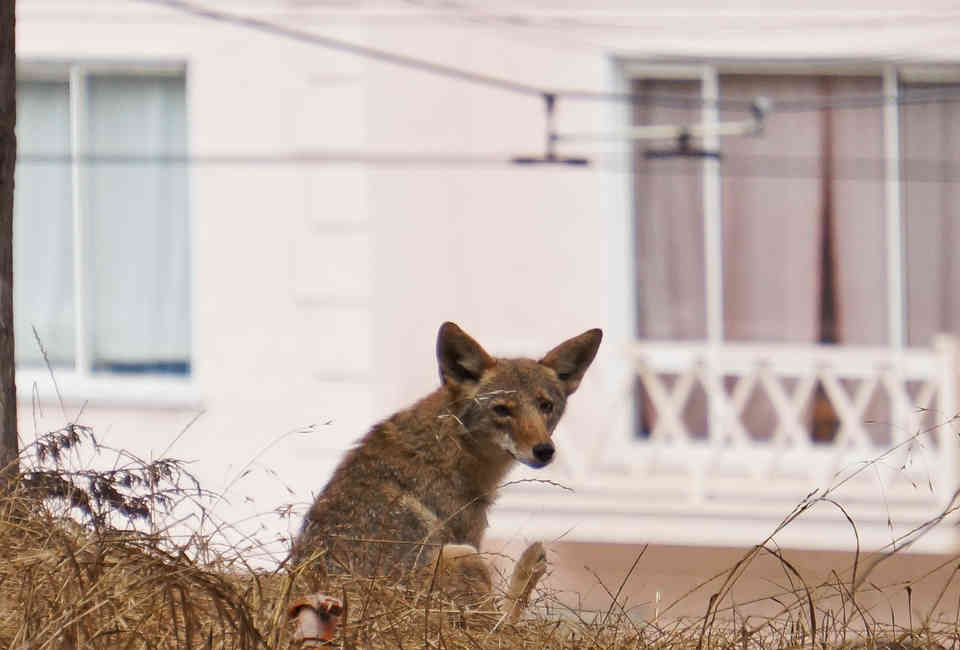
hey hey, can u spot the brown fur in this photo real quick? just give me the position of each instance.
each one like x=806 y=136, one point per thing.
x=426 y=476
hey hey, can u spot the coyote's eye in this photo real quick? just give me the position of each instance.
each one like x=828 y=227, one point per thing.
x=545 y=406
x=501 y=410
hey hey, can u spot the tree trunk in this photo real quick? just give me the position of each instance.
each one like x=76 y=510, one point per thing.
x=8 y=154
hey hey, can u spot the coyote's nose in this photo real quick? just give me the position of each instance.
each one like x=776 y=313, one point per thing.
x=543 y=452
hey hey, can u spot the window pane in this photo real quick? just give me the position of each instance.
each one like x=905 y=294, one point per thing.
x=859 y=204
x=43 y=225
x=771 y=215
x=136 y=213
x=671 y=300
x=811 y=185
x=930 y=144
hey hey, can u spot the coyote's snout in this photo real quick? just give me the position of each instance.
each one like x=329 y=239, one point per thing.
x=420 y=482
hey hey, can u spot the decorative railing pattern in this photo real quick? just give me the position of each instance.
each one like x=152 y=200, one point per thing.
x=883 y=400
x=723 y=442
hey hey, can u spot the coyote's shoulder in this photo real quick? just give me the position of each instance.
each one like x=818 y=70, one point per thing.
x=427 y=475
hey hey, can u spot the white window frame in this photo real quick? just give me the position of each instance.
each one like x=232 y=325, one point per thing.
x=79 y=384
x=709 y=75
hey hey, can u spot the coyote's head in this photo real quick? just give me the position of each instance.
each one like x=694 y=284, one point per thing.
x=511 y=406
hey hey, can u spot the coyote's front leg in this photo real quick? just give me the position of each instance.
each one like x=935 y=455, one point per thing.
x=526 y=574
x=464 y=576
x=464 y=571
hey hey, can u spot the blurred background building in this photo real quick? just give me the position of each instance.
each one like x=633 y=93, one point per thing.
x=237 y=234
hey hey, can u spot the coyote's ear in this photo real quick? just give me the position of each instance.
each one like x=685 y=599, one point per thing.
x=461 y=359
x=571 y=358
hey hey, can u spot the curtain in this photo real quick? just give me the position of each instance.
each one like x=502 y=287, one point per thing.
x=930 y=145
x=859 y=231
x=43 y=225
x=136 y=213
x=806 y=170
x=771 y=218
x=669 y=225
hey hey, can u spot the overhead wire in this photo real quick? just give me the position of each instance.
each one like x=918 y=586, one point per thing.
x=735 y=166
x=946 y=92
x=339 y=45
x=744 y=22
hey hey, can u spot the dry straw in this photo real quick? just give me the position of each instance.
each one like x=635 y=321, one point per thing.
x=89 y=559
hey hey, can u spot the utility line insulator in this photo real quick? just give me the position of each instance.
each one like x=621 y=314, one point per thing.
x=550 y=156
x=682 y=134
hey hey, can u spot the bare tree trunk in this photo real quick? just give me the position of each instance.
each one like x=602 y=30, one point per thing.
x=8 y=155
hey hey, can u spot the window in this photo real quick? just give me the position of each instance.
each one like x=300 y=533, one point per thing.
x=100 y=224
x=837 y=224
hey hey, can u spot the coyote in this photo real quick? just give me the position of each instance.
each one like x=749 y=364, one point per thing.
x=414 y=492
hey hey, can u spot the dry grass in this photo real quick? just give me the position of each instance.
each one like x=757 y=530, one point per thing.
x=88 y=559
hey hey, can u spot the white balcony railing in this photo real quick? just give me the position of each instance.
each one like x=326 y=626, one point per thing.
x=720 y=447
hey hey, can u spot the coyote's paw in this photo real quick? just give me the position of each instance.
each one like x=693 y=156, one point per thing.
x=526 y=574
x=316 y=619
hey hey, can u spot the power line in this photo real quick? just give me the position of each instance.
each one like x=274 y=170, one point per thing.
x=638 y=21
x=293 y=159
x=942 y=93
x=734 y=165
x=351 y=48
